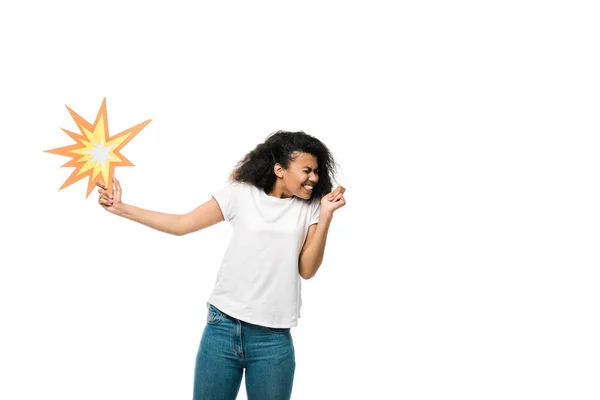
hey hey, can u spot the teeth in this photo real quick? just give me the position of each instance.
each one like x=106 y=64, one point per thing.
x=308 y=187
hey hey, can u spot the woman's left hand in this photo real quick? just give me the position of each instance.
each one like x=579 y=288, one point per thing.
x=333 y=200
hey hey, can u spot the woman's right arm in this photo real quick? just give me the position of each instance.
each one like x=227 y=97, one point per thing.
x=203 y=216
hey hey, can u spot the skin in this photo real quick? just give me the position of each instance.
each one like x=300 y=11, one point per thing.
x=303 y=170
x=290 y=181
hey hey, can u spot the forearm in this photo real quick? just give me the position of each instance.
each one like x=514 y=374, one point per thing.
x=168 y=223
x=312 y=257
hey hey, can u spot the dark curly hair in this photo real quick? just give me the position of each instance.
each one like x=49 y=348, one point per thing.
x=256 y=167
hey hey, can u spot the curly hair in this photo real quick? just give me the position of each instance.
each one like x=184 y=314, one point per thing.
x=256 y=167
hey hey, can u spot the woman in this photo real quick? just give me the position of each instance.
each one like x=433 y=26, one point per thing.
x=280 y=205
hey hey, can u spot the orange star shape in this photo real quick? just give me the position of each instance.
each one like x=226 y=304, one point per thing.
x=95 y=154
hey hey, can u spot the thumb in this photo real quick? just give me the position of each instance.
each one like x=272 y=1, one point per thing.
x=117 y=184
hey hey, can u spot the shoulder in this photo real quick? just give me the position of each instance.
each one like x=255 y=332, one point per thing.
x=235 y=185
x=243 y=189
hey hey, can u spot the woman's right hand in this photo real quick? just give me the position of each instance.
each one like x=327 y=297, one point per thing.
x=109 y=201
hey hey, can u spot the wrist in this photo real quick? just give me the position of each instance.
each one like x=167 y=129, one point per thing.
x=325 y=214
x=119 y=209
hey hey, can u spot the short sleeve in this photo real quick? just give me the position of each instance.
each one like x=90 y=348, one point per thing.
x=227 y=198
x=315 y=210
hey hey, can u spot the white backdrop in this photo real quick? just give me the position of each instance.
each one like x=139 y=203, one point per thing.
x=464 y=265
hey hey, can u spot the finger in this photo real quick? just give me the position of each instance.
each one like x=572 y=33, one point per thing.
x=339 y=189
x=105 y=199
x=117 y=184
x=341 y=200
x=103 y=193
x=101 y=184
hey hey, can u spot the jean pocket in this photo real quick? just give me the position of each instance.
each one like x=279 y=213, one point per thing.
x=214 y=316
x=279 y=331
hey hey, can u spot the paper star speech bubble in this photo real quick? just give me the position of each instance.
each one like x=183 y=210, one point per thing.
x=96 y=154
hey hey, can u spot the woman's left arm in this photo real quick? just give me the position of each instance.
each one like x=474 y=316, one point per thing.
x=313 y=250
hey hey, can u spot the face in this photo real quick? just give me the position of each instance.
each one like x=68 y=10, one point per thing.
x=303 y=172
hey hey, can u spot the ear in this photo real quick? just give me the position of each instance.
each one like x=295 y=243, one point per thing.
x=278 y=170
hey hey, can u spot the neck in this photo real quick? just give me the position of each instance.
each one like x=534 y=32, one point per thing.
x=278 y=191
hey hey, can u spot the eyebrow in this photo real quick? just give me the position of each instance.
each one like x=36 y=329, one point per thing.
x=310 y=168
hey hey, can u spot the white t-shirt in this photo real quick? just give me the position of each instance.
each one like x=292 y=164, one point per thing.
x=258 y=281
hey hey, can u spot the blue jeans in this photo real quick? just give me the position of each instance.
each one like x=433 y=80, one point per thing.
x=229 y=346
